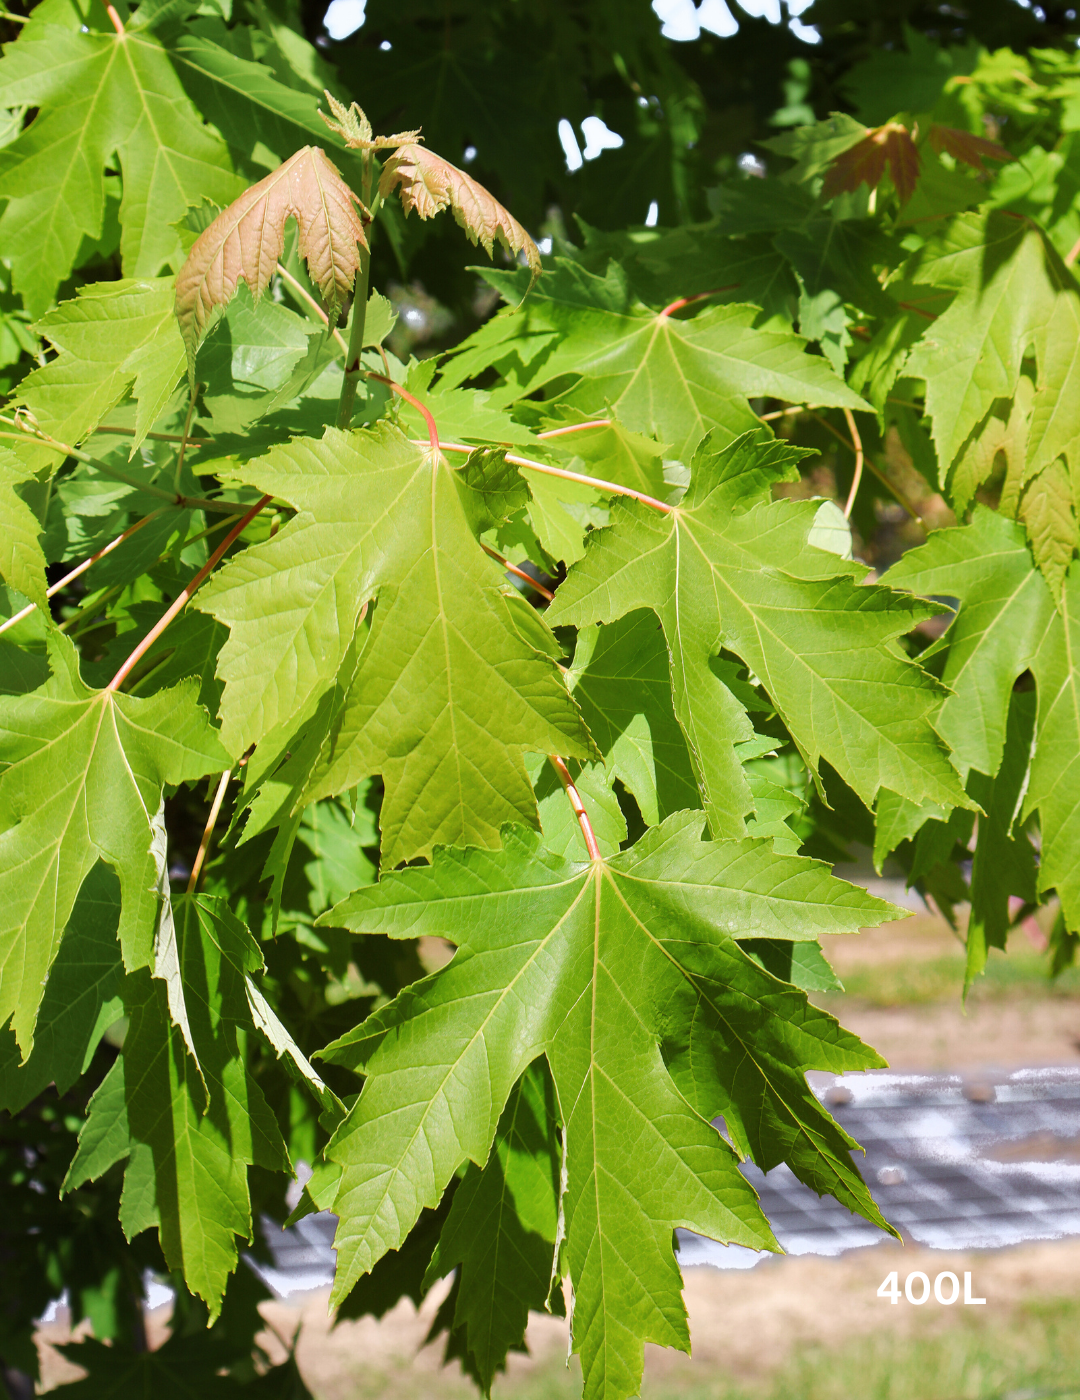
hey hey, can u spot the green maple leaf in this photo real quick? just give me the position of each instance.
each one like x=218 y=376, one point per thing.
x=457 y=678
x=626 y=975
x=1054 y=787
x=180 y=1103
x=715 y=572
x=501 y=1230
x=1012 y=294
x=22 y=561
x=82 y=998
x=1004 y=862
x=1005 y=610
x=1048 y=511
x=258 y=115
x=83 y=782
x=621 y=678
x=96 y=94
x=669 y=378
x=185 y=1367
x=112 y=339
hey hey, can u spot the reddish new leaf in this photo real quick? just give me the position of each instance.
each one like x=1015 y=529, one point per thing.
x=429 y=184
x=962 y=145
x=246 y=240
x=865 y=163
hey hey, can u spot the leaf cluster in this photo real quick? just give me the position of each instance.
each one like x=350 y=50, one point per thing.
x=429 y=771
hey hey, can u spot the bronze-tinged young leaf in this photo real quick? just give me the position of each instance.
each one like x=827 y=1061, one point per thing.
x=627 y=976
x=429 y=184
x=246 y=240
x=963 y=145
x=352 y=125
x=865 y=163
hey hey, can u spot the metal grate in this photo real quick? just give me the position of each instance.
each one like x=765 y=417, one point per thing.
x=953 y=1162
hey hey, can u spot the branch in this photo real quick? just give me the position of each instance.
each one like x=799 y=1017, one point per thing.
x=180 y=602
x=155 y=437
x=510 y=568
x=174 y=499
x=211 y=822
x=579 y=807
x=82 y=568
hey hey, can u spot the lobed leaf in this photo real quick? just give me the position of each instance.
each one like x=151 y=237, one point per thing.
x=597 y=965
x=428 y=184
x=822 y=645
x=246 y=240
x=83 y=781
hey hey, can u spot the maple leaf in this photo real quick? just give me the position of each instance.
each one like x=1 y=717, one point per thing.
x=1003 y=866
x=181 y=1105
x=1047 y=509
x=669 y=378
x=96 y=94
x=352 y=125
x=963 y=145
x=711 y=571
x=82 y=998
x=457 y=679
x=1055 y=763
x=864 y=163
x=1005 y=611
x=112 y=339
x=83 y=781
x=428 y=184
x=501 y=1231
x=1012 y=294
x=246 y=241
x=22 y=562
x=604 y=967
x=621 y=678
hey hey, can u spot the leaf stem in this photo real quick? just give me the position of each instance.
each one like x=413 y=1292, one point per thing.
x=181 y=601
x=155 y=437
x=433 y=432
x=117 y=22
x=193 y=399
x=211 y=822
x=351 y=375
x=591 y=844
x=876 y=470
x=859 y=457
x=575 y=428
x=606 y=487
x=82 y=568
x=15 y=19
x=698 y=296
x=1072 y=254
x=301 y=291
x=174 y=499
x=510 y=568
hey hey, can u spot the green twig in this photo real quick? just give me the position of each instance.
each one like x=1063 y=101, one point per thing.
x=173 y=497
